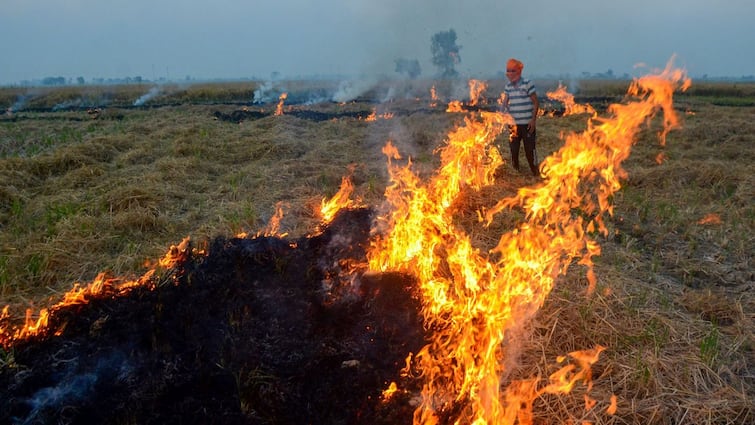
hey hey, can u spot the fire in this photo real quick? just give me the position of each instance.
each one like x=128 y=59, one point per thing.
x=711 y=218
x=342 y=199
x=35 y=324
x=374 y=116
x=279 y=108
x=454 y=106
x=476 y=89
x=433 y=97
x=472 y=301
x=570 y=107
x=273 y=226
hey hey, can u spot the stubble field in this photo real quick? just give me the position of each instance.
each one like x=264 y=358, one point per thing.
x=86 y=189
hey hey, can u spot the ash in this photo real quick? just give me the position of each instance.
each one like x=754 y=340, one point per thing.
x=243 y=335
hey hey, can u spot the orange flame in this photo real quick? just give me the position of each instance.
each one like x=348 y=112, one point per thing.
x=342 y=199
x=476 y=89
x=711 y=218
x=472 y=301
x=279 y=108
x=374 y=116
x=433 y=97
x=454 y=106
x=273 y=226
x=570 y=107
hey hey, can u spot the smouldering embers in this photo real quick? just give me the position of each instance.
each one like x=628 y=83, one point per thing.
x=471 y=302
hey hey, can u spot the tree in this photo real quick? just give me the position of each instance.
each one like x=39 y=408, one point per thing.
x=80 y=80
x=445 y=52
x=410 y=67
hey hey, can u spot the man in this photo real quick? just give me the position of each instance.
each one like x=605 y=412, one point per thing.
x=521 y=102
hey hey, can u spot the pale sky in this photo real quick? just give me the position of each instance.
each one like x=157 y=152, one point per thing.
x=253 y=38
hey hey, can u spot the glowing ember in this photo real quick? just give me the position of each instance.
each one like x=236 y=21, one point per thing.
x=570 y=107
x=472 y=301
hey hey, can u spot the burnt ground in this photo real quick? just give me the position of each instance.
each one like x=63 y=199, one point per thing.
x=256 y=331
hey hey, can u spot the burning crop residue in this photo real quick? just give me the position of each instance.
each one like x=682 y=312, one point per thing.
x=472 y=301
x=257 y=330
x=391 y=318
x=567 y=99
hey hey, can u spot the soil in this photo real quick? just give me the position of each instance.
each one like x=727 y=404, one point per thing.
x=259 y=330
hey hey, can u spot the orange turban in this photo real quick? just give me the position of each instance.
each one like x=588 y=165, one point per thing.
x=514 y=64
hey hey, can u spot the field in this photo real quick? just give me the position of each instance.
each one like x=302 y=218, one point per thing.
x=90 y=183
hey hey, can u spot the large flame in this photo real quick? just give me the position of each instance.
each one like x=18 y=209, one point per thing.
x=471 y=300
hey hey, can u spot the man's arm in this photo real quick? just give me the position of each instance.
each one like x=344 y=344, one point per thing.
x=535 y=110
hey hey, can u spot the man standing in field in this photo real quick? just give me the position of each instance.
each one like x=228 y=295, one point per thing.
x=520 y=100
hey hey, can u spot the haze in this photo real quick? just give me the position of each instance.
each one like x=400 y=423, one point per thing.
x=240 y=39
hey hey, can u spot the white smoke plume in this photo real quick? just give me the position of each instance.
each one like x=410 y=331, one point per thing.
x=154 y=91
x=350 y=90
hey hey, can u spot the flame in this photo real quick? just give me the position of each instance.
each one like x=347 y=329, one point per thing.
x=454 y=106
x=711 y=218
x=611 y=409
x=279 y=108
x=374 y=116
x=388 y=392
x=433 y=96
x=570 y=107
x=342 y=199
x=476 y=89
x=273 y=226
x=472 y=301
x=36 y=324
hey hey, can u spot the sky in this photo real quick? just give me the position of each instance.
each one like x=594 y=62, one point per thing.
x=241 y=39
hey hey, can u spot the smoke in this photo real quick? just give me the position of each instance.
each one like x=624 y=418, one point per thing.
x=78 y=388
x=18 y=104
x=351 y=89
x=73 y=385
x=154 y=91
x=264 y=93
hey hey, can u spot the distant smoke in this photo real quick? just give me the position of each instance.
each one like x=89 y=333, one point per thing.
x=389 y=95
x=154 y=91
x=68 y=104
x=264 y=93
x=19 y=104
x=350 y=90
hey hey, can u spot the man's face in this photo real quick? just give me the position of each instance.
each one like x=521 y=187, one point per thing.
x=513 y=74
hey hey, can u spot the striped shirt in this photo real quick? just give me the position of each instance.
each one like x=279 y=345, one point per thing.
x=520 y=103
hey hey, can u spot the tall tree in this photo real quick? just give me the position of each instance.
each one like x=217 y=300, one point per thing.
x=445 y=52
